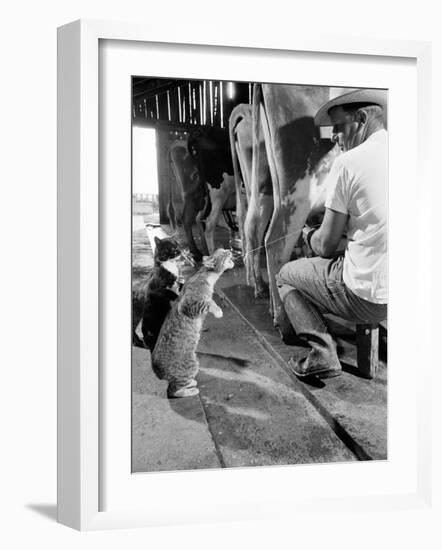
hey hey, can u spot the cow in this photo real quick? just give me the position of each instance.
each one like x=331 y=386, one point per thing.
x=210 y=149
x=192 y=194
x=203 y=169
x=283 y=163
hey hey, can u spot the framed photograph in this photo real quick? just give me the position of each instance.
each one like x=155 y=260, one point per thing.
x=224 y=273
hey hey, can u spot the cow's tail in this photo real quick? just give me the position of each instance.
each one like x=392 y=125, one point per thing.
x=170 y=208
x=257 y=93
x=252 y=259
x=239 y=113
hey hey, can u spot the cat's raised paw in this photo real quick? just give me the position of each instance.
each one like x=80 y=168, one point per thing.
x=218 y=313
x=215 y=310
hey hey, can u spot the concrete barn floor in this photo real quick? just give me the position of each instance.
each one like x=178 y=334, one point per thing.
x=251 y=410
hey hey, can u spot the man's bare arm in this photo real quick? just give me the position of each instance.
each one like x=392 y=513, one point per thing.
x=324 y=241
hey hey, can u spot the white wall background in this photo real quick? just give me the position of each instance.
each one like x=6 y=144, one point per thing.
x=28 y=270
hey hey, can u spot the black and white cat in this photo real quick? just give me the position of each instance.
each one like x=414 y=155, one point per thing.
x=152 y=300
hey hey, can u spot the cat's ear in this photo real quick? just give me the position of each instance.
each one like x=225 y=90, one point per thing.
x=209 y=262
x=157 y=240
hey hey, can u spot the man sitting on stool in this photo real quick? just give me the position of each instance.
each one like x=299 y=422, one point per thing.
x=352 y=286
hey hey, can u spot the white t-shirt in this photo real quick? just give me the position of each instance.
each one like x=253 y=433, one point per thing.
x=358 y=185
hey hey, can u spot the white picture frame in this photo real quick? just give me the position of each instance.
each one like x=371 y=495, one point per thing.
x=79 y=271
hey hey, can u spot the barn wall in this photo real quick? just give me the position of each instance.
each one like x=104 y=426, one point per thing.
x=164 y=173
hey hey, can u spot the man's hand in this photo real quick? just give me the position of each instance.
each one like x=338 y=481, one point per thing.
x=324 y=242
x=307 y=234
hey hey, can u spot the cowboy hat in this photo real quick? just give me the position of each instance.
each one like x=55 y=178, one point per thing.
x=372 y=97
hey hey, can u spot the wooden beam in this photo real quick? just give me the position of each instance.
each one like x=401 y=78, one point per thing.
x=174 y=108
x=211 y=101
x=169 y=114
x=200 y=87
x=195 y=103
x=163 y=141
x=152 y=91
x=183 y=104
x=216 y=118
x=221 y=103
x=205 y=102
x=367 y=345
x=189 y=102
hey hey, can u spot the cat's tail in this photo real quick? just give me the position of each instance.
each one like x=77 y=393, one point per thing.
x=157 y=367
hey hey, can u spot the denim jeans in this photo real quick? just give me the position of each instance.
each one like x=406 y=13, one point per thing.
x=319 y=288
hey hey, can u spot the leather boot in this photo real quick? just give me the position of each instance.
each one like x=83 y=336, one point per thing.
x=286 y=331
x=323 y=359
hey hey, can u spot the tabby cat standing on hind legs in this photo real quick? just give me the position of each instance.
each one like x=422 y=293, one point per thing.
x=174 y=357
x=151 y=301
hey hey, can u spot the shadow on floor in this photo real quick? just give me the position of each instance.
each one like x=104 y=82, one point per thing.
x=49 y=511
x=258 y=420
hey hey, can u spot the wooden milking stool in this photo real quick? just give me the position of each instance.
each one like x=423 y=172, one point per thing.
x=367 y=346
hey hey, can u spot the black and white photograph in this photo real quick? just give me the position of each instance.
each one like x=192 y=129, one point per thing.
x=259 y=274
x=221 y=275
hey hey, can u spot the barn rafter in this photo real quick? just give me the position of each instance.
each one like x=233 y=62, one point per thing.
x=178 y=104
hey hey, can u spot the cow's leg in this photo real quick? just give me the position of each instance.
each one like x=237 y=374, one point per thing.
x=290 y=211
x=242 y=193
x=186 y=176
x=201 y=226
x=283 y=233
x=210 y=226
x=244 y=170
x=259 y=207
x=189 y=217
x=218 y=198
x=202 y=233
x=240 y=131
x=258 y=215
